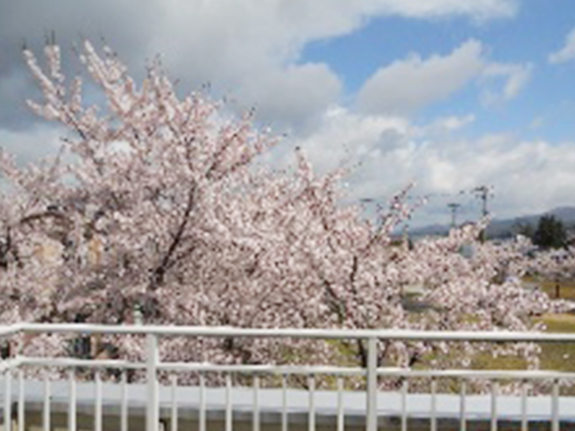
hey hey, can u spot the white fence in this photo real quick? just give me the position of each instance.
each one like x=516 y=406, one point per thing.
x=558 y=409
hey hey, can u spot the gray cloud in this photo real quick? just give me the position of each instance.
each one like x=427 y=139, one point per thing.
x=37 y=142
x=248 y=49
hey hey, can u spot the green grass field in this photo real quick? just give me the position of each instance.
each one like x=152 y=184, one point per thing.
x=555 y=356
x=566 y=287
x=558 y=356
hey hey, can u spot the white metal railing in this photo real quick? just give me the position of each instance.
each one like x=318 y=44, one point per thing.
x=371 y=372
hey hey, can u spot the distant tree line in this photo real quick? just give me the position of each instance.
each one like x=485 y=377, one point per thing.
x=549 y=233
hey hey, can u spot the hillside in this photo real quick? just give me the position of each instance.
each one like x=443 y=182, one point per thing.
x=500 y=228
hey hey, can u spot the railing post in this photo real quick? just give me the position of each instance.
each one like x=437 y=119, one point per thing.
x=152 y=407
x=371 y=395
x=8 y=399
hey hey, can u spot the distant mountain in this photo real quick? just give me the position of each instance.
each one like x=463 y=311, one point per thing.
x=567 y=214
x=500 y=228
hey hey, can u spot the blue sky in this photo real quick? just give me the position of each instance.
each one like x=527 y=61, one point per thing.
x=451 y=94
x=543 y=109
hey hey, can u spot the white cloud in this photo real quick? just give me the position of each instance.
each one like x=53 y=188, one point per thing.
x=451 y=123
x=409 y=84
x=516 y=76
x=528 y=177
x=412 y=83
x=567 y=52
x=32 y=144
x=350 y=138
x=479 y=10
x=250 y=49
x=253 y=47
x=297 y=93
x=389 y=152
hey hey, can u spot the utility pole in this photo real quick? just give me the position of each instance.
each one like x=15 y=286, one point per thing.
x=483 y=193
x=453 y=207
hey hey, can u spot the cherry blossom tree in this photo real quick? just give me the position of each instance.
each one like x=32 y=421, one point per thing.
x=553 y=265
x=160 y=204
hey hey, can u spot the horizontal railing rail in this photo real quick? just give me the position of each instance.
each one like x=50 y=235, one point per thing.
x=325 y=334
x=279 y=370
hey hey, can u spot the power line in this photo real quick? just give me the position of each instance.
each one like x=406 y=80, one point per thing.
x=484 y=193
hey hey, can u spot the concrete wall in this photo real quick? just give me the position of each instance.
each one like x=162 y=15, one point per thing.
x=242 y=422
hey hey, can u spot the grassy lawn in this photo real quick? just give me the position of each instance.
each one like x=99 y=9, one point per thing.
x=558 y=356
x=566 y=287
x=554 y=356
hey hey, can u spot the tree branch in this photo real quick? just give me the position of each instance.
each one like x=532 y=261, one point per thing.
x=158 y=274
